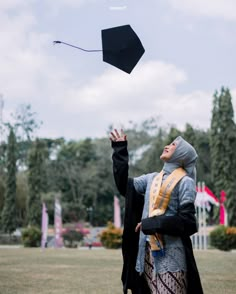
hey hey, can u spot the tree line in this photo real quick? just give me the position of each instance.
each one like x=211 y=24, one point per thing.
x=33 y=170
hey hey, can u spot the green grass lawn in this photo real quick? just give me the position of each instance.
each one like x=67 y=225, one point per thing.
x=96 y=271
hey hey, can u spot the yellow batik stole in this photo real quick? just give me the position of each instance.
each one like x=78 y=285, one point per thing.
x=158 y=201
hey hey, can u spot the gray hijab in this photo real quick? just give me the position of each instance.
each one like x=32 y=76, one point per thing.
x=184 y=156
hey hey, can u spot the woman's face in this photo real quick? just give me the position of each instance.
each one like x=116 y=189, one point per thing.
x=168 y=151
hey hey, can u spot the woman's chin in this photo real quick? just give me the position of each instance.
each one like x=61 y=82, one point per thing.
x=164 y=157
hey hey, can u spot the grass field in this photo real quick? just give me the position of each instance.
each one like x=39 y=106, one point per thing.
x=96 y=271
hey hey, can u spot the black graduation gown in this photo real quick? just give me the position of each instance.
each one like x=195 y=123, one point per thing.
x=183 y=225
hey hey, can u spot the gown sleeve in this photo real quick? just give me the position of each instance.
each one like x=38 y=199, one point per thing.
x=120 y=158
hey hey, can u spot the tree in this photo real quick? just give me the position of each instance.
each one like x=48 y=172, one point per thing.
x=190 y=134
x=73 y=171
x=200 y=140
x=150 y=160
x=2 y=190
x=223 y=146
x=9 y=208
x=21 y=198
x=173 y=133
x=37 y=181
x=25 y=121
x=216 y=146
x=83 y=176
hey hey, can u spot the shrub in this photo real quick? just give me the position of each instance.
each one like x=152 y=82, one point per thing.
x=223 y=238
x=6 y=239
x=72 y=238
x=231 y=235
x=111 y=237
x=31 y=237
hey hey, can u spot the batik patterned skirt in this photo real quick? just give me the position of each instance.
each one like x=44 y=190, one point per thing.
x=166 y=283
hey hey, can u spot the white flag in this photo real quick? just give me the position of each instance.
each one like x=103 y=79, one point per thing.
x=58 y=225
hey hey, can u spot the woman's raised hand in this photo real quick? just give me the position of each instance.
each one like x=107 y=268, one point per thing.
x=115 y=136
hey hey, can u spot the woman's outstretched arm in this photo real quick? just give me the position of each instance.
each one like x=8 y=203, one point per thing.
x=120 y=158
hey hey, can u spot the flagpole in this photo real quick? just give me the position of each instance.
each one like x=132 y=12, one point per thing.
x=204 y=218
x=44 y=227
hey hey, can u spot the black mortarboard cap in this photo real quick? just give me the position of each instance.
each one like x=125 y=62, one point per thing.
x=121 y=47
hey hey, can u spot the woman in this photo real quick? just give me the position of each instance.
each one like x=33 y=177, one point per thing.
x=158 y=259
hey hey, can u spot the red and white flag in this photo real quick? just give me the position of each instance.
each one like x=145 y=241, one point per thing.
x=44 y=227
x=204 y=197
x=117 y=217
x=58 y=225
x=223 y=212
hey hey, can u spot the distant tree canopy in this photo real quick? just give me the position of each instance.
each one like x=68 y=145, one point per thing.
x=81 y=171
x=223 y=146
x=9 y=221
x=37 y=181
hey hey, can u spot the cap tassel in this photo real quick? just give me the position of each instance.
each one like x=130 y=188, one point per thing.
x=60 y=42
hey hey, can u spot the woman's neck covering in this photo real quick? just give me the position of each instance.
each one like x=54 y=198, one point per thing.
x=184 y=156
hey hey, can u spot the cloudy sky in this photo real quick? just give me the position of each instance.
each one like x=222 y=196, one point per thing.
x=189 y=53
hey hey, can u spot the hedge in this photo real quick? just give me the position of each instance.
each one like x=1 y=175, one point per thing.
x=223 y=238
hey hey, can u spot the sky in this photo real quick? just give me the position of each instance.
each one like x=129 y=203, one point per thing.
x=189 y=54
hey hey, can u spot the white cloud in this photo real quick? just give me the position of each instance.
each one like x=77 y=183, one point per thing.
x=24 y=60
x=137 y=93
x=60 y=4
x=151 y=90
x=116 y=98
x=28 y=74
x=225 y=9
x=31 y=73
x=55 y=8
x=14 y=4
